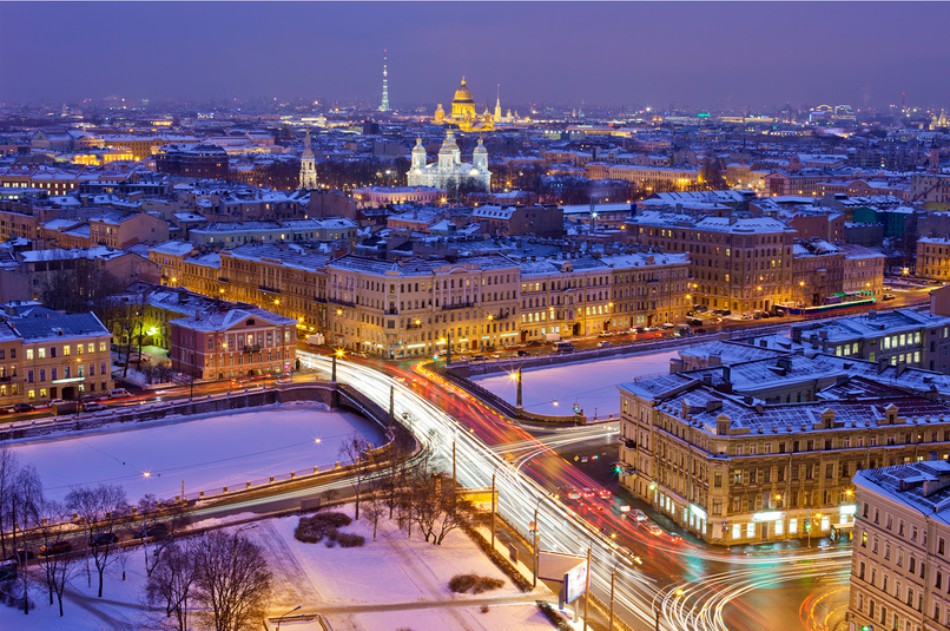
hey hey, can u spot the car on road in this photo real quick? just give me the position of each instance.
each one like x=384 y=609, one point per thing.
x=57 y=547
x=23 y=407
x=119 y=393
x=637 y=515
x=672 y=537
x=93 y=407
x=102 y=539
x=154 y=531
x=522 y=353
x=888 y=297
x=653 y=529
x=604 y=344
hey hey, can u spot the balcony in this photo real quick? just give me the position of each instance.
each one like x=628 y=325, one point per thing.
x=340 y=301
x=251 y=349
x=223 y=279
x=458 y=305
x=268 y=290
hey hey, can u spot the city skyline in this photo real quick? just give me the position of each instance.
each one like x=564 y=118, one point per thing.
x=758 y=55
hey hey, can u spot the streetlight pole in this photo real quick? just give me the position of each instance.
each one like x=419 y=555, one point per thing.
x=537 y=535
x=587 y=592
x=518 y=402
x=279 y=620
x=493 y=510
x=613 y=580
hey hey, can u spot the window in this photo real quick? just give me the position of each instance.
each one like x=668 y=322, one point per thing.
x=29 y=353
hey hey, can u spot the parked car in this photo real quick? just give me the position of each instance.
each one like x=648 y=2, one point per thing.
x=23 y=407
x=694 y=322
x=523 y=353
x=57 y=547
x=93 y=407
x=604 y=344
x=154 y=531
x=102 y=539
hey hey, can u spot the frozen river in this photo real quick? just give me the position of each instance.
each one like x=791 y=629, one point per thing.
x=591 y=385
x=207 y=453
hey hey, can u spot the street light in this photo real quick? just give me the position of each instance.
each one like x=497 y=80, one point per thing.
x=516 y=376
x=337 y=354
x=279 y=620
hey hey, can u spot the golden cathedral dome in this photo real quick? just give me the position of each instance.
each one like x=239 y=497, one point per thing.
x=463 y=94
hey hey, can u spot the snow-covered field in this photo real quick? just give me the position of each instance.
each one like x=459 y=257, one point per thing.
x=589 y=384
x=393 y=583
x=207 y=453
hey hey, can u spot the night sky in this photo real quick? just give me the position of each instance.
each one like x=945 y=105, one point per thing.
x=705 y=55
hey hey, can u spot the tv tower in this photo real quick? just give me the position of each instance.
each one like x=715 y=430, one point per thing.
x=384 y=105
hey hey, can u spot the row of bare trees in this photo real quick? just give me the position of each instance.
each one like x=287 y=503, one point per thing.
x=222 y=575
x=407 y=490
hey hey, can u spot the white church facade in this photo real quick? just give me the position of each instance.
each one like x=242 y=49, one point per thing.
x=448 y=171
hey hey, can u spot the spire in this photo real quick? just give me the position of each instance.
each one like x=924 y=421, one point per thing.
x=497 y=103
x=384 y=104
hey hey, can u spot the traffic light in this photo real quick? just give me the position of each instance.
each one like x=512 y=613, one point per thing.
x=807 y=524
x=617 y=468
x=867 y=627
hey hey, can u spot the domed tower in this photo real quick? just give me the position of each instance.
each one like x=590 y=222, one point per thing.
x=450 y=155
x=308 y=169
x=480 y=156
x=463 y=106
x=418 y=156
x=480 y=165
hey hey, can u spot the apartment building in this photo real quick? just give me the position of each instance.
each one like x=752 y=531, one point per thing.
x=46 y=355
x=899 y=337
x=121 y=229
x=933 y=258
x=823 y=273
x=765 y=450
x=229 y=235
x=743 y=264
x=900 y=565
x=414 y=307
x=583 y=295
x=647 y=178
x=228 y=342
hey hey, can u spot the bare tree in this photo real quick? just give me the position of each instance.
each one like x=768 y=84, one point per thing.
x=172 y=580
x=375 y=506
x=359 y=452
x=99 y=509
x=159 y=526
x=435 y=508
x=9 y=465
x=232 y=580
x=57 y=568
x=26 y=500
x=394 y=475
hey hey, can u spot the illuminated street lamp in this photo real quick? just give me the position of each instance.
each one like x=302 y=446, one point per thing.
x=337 y=354
x=516 y=377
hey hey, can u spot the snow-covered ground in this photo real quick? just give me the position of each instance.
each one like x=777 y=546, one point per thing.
x=206 y=453
x=589 y=384
x=393 y=583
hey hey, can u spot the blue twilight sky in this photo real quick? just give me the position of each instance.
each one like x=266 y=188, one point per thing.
x=703 y=54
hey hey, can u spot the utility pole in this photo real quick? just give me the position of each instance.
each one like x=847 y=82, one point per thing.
x=333 y=369
x=392 y=404
x=587 y=592
x=613 y=580
x=493 y=511
x=537 y=535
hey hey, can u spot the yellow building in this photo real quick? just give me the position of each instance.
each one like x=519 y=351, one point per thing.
x=463 y=113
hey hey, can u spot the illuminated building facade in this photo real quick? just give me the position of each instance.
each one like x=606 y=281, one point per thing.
x=448 y=171
x=463 y=114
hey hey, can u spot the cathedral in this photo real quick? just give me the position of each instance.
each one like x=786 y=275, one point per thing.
x=463 y=114
x=448 y=171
